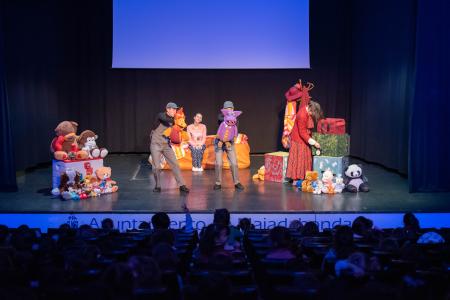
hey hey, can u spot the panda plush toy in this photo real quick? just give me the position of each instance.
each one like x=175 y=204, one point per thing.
x=354 y=179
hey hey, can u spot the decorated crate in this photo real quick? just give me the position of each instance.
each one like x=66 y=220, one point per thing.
x=275 y=165
x=85 y=166
x=331 y=126
x=332 y=144
x=337 y=165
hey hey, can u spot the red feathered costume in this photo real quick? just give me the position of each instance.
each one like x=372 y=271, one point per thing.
x=300 y=157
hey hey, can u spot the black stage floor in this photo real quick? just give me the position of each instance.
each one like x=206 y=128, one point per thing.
x=389 y=193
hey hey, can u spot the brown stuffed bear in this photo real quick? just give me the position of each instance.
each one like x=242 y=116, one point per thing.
x=70 y=178
x=104 y=181
x=310 y=177
x=64 y=145
x=86 y=141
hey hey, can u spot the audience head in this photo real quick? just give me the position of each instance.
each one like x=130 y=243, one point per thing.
x=310 y=229
x=362 y=226
x=296 y=225
x=410 y=222
x=160 y=220
x=222 y=216
x=107 y=224
x=64 y=226
x=214 y=236
x=280 y=237
x=245 y=225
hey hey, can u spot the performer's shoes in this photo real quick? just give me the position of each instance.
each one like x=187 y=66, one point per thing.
x=217 y=187
x=157 y=190
x=239 y=186
x=184 y=189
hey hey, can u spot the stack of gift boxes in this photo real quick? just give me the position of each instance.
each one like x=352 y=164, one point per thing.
x=334 y=147
x=333 y=153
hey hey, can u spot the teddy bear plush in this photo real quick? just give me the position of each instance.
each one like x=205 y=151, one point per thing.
x=64 y=145
x=354 y=179
x=87 y=141
x=328 y=184
x=307 y=184
x=104 y=181
x=260 y=174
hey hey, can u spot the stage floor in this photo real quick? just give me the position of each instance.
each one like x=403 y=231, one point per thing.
x=389 y=193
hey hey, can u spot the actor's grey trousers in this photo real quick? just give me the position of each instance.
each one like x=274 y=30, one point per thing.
x=231 y=154
x=156 y=149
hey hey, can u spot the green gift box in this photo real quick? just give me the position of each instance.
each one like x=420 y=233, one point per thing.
x=331 y=144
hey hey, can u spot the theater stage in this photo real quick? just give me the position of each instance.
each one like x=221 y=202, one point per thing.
x=263 y=201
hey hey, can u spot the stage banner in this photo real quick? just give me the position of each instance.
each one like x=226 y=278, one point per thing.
x=126 y=221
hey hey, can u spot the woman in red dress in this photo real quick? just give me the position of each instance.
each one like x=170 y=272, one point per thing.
x=300 y=156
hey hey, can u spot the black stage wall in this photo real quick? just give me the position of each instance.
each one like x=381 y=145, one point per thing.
x=58 y=59
x=59 y=67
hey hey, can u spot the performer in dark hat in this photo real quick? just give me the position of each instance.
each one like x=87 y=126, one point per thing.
x=231 y=154
x=159 y=145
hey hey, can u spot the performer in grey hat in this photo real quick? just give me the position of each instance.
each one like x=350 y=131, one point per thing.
x=159 y=145
x=231 y=154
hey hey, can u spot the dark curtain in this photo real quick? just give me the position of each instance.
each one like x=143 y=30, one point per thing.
x=7 y=169
x=383 y=45
x=363 y=60
x=59 y=67
x=429 y=158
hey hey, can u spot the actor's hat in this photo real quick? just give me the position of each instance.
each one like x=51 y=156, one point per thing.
x=228 y=104
x=293 y=93
x=171 y=105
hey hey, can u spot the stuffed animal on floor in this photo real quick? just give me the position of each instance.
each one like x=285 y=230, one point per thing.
x=318 y=187
x=104 y=181
x=307 y=183
x=260 y=174
x=228 y=129
x=339 y=185
x=70 y=185
x=328 y=184
x=177 y=133
x=64 y=145
x=354 y=179
x=87 y=141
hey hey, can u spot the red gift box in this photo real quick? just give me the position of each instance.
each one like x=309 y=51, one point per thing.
x=275 y=165
x=331 y=126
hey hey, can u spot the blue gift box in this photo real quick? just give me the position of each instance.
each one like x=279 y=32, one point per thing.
x=337 y=164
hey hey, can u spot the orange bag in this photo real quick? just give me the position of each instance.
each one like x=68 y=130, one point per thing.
x=242 y=151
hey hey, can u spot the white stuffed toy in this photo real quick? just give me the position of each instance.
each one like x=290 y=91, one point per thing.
x=328 y=184
x=339 y=185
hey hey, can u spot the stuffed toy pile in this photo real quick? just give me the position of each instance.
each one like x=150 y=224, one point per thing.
x=69 y=149
x=74 y=186
x=67 y=145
